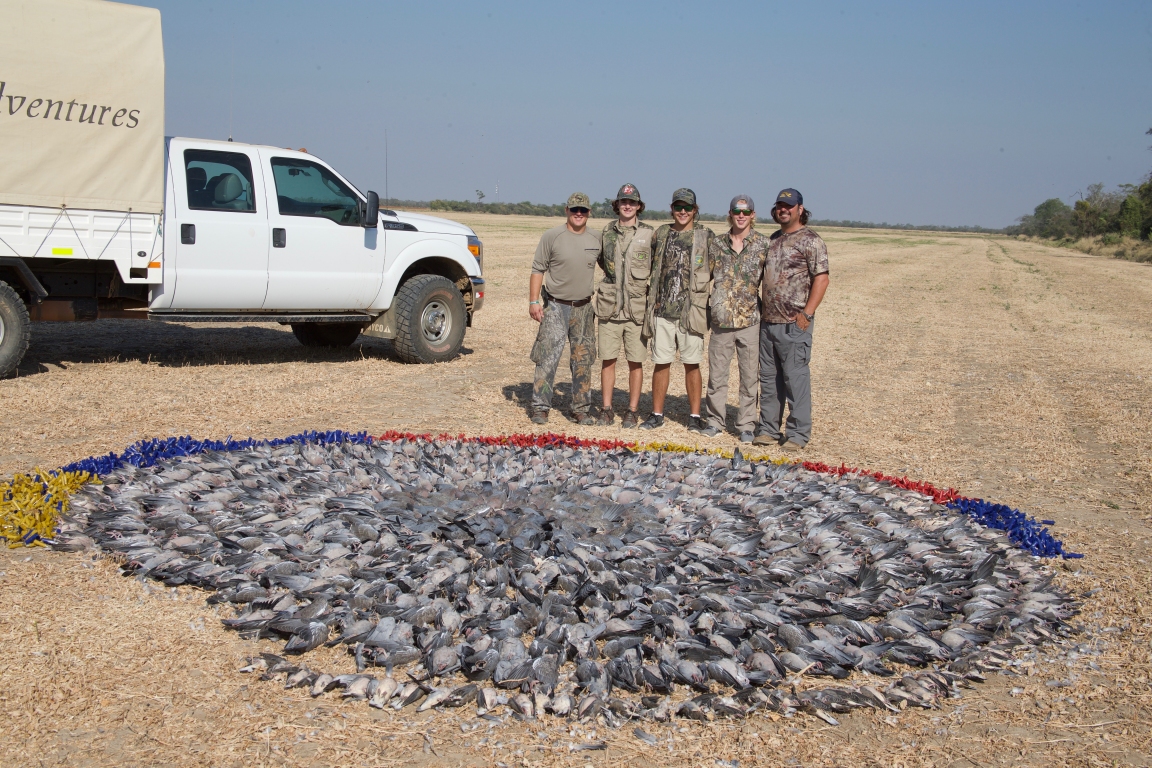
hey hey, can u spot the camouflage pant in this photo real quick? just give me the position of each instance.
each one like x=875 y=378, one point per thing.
x=577 y=326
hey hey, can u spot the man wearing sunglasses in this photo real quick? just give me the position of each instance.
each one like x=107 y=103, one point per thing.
x=559 y=298
x=737 y=269
x=622 y=300
x=677 y=315
x=795 y=279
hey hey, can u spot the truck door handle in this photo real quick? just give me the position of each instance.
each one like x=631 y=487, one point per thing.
x=188 y=234
x=279 y=237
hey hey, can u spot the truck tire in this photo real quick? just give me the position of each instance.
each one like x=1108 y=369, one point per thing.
x=430 y=320
x=15 y=330
x=333 y=335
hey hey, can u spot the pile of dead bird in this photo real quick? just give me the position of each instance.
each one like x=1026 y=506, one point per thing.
x=580 y=582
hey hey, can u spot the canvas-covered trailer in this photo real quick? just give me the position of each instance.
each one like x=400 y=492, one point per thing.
x=81 y=160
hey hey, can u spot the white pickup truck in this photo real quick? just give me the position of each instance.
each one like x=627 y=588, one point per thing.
x=225 y=232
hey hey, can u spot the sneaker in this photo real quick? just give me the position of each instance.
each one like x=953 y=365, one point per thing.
x=630 y=420
x=652 y=422
x=746 y=437
x=540 y=416
x=583 y=419
x=696 y=424
x=708 y=431
x=792 y=447
x=765 y=439
x=606 y=417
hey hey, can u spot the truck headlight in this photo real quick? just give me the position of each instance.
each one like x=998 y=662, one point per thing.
x=476 y=248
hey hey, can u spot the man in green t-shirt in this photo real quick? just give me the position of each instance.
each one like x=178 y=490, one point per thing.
x=559 y=298
x=678 y=304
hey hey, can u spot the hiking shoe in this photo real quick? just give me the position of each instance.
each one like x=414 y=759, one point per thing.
x=746 y=437
x=653 y=421
x=630 y=420
x=540 y=417
x=765 y=439
x=708 y=431
x=606 y=417
x=583 y=419
x=696 y=424
x=792 y=447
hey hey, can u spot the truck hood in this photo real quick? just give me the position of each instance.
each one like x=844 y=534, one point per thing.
x=432 y=223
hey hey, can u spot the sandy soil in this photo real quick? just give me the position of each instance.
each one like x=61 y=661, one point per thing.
x=1011 y=371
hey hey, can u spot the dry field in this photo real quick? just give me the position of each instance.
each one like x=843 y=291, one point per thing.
x=1011 y=371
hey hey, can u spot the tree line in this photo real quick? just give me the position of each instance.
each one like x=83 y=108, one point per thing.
x=1125 y=212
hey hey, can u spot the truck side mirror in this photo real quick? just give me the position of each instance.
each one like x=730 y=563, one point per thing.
x=372 y=210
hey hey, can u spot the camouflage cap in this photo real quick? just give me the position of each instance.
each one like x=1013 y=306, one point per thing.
x=629 y=192
x=578 y=200
x=684 y=195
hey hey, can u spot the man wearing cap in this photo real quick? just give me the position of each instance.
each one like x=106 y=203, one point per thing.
x=795 y=279
x=677 y=315
x=737 y=269
x=559 y=298
x=622 y=300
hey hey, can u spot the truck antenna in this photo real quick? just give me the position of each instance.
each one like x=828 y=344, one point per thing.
x=386 y=196
x=231 y=74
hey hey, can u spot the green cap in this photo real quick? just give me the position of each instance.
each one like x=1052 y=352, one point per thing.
x=684 y=195
x=629 y=192
x=578 y=200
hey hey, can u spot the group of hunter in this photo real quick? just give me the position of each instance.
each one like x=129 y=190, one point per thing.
x=757 y=294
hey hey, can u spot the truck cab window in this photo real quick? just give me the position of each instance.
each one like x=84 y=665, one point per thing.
x=304 y=188
x=219 y=181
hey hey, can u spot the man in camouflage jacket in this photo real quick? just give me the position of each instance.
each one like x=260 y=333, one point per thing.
x=622 y=301
x=737 y=270
x=677 y=315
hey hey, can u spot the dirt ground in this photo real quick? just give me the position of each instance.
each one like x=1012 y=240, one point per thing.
x=1010 y=371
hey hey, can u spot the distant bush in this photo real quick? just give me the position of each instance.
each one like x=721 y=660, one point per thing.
x=1109 y=216
x=885 y=225
x=507 y=209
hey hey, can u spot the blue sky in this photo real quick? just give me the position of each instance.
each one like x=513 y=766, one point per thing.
x=927 y=113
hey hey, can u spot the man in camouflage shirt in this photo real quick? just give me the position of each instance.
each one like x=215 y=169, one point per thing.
x=737 y=269
x=678 y=305
x=622 y=300
x=795 y=279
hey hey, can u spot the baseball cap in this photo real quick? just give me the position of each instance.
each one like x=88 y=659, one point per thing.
x=684 y=195
x=578 y=200
x=741 y=203
x=629 y=192
x=790 y=196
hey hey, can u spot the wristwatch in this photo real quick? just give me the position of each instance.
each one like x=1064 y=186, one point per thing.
x=807 y=316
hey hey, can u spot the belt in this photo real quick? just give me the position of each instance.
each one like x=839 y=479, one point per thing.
x=578 y=303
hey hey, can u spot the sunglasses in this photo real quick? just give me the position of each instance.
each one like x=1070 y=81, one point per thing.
x=683 y=208
x=578 y=211
x=741 y=212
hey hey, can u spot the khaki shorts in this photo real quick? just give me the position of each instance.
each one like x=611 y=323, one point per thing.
x=668 y=338
x=614 y=333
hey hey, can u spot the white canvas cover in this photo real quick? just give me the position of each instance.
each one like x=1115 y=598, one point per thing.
x=81 y=105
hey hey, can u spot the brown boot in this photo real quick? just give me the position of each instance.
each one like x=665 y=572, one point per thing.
x=606 y=418
x=630 y=420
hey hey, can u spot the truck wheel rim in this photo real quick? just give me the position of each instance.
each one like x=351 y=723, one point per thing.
x=435 y=322
x=1 y=330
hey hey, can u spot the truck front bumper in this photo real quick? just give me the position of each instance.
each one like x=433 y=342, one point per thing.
x=477 y=293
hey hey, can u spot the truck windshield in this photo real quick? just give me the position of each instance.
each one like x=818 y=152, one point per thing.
x=304 y=188
x=219 y=181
